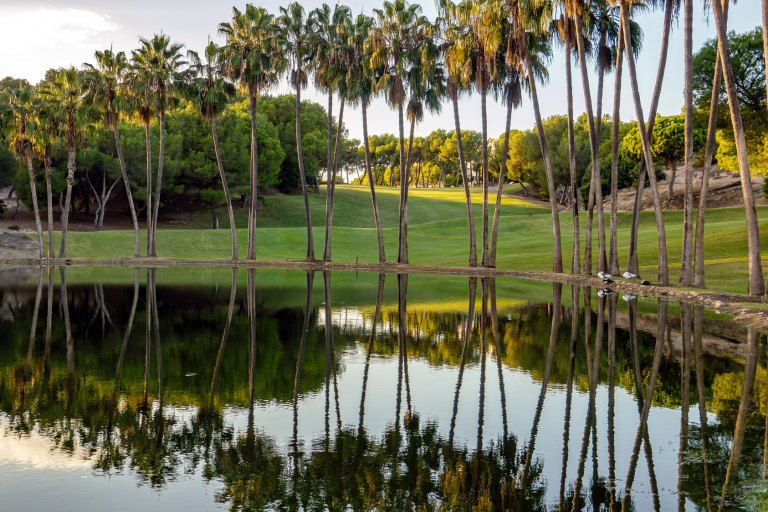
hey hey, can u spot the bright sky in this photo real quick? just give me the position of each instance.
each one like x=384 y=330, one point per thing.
x=36 y=36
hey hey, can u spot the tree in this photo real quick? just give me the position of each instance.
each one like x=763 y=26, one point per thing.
x=756 y=284
x=647 y=158
x=158 y=61
x=65 y=92
x=211 y=93
x=361 y=84
x=394 y=53
x=459 y=69
x=253 y=59
x=102 y=83
x=19 y=125
x=295 y=33
x=521 y=28
x=330 y=63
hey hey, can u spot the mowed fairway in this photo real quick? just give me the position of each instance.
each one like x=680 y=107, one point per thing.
x=438 y=234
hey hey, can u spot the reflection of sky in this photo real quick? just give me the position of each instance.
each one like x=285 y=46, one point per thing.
x=32 y=471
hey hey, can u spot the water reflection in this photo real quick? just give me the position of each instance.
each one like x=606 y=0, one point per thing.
x=337 y=403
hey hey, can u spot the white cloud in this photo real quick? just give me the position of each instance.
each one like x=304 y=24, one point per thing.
x=35 y=39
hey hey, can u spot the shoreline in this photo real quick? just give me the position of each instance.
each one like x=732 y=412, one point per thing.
x=744 y=308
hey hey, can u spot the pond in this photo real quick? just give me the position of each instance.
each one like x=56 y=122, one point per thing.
x=242 y=389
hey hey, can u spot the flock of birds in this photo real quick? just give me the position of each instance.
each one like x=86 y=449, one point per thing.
x=608 y=279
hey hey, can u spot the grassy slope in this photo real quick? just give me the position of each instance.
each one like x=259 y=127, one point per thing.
x=437 y=235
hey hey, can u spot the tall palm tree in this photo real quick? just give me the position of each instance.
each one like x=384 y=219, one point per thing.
x=66 y=92
x=47 y=123
x=255 y=61
x=576 y=10
x=648 y=159
x=361 y=82
x=507 y=85
x=394 y=52
x=756 y=284
x=295 y=33
x=613 y=252
x=103 y=82
x=709 y=151
x=160 y=61
x=565 y=32
x=459 y=69
x=211 y=93
x=329 y=61
x=21 y=109
x=426 y=88
x=670 y=8
x=686 y=270
x=534 y=25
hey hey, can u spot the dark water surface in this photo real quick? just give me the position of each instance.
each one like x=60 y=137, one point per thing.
x=290 y=391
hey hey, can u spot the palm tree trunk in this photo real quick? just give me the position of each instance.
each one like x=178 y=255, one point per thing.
x=686 y=270
x=253 y=186
x=67 y=202
x=402 y=178
x=765 y=37
x=709 y=151
x=371 y=184
x=502 y=172
x=302 y=173
x=557 y=257
x=661 y=234
x=128 y=194
x=484 y=120
x=467 y=193
x=575 y=265
x=402 y=253
x=329 y=140
x=227 y=195
x=600 y=87
x=159 y=182
x=632 y=262
x=594 y=146
x=613 y=253
x=49 y=205
x=148 y=147
x=756 y=284
x=332 y=186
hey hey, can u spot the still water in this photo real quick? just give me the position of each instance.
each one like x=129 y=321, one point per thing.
x=283 y=390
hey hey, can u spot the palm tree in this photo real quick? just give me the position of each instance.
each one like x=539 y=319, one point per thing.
x=613 y=252
x=253 y=59
x=102 y=83
x=564 y=29
x=394 y=52
x=458 y=66
x=361 y=82
x=670 y=8
x=47 y=125
x=21 y=110
x=756 y=284
x=426 y=88
x=160 y=61
x=507 y=84
x=211 y=93
x=537 y=22
x=686 y=270
x=330 y=61
x=648 y=159
x=576 y=10
x=709 y=151
x=295 y=32
x=66 y=92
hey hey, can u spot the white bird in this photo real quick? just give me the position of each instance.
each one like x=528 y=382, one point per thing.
x=627 y=297
x=603 y=275
x=629 y=275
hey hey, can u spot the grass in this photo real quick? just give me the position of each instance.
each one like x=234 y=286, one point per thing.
x=437 y=235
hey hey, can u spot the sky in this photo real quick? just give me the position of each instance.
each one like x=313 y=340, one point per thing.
x=36 y=36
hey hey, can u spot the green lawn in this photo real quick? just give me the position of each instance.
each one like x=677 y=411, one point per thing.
x=437 y=235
